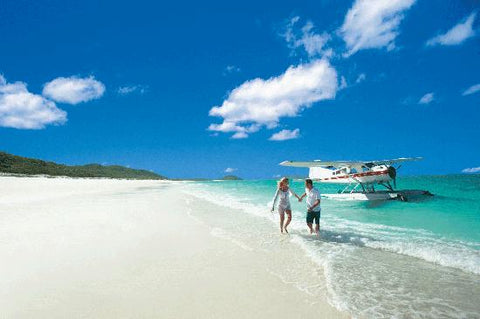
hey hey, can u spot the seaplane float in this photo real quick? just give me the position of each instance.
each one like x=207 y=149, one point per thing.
x=361 y=178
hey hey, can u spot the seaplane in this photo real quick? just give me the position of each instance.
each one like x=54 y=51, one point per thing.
x=361 y=178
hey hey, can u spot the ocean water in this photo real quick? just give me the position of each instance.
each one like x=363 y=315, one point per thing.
x=380 y=260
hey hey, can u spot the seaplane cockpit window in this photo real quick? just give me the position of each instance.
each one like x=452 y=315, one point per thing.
x=353 y=170
x=365 y=169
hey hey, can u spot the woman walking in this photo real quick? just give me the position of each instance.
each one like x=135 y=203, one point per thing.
x=283 y=195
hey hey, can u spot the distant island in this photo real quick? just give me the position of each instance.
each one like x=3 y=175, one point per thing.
x=231 y=178
x=12 y=164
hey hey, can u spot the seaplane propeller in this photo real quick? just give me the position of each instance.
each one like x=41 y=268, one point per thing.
x=392 y=172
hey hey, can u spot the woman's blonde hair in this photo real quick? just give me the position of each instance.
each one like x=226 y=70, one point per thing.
x=282 y=181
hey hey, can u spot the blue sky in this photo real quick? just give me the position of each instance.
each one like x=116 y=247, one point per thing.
x=190 y=90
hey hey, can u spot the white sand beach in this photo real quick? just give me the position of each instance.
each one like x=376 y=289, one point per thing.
x=102 y=248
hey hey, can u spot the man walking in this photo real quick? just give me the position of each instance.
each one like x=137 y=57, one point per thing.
x=313 y=206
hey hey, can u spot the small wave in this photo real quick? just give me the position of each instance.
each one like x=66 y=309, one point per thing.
x=416 y=243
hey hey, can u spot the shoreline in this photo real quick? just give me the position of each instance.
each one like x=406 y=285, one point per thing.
x=113 y=248
x=3 y=174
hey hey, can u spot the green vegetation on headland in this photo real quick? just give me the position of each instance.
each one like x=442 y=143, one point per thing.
x=12 y=164
x=231 y=178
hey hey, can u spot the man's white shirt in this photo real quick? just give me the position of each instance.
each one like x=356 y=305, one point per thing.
x=312 y=196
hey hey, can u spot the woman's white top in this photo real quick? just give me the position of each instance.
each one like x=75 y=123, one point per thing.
x=283 y=198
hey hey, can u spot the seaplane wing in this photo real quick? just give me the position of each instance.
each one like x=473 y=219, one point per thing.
x=319 y=163
x=396 y=160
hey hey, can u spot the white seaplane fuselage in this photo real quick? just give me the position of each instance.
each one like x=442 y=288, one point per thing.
x=376 y=174
x=360 y=175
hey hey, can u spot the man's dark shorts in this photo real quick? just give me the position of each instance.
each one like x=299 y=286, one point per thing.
x=313 y=216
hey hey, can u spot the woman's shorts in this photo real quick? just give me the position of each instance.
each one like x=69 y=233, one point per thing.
x=281 y=209
x=313 y=216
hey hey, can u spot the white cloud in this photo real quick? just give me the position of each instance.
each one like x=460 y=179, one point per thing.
x=456 y=35
x=260 y=102
x=128 y=89
x=73 y=90
x=343 y=83
x=311 y=42
x=225 y=127
x=240 y=135
x=427 y=98
x=230 y=127
x=230 y=170
x=24 y=110
x=471 y=90
x=471 y=170
x=361 y=78
x=231 y=69
x=284 y=135
x=373 y=24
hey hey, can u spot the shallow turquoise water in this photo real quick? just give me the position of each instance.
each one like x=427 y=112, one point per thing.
x=454 y=211
x=400 y=259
